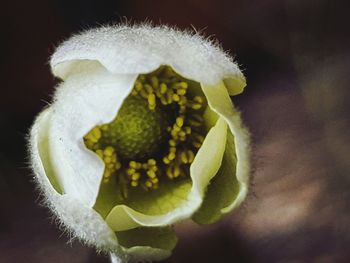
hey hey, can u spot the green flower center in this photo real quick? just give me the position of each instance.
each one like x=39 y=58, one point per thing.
x=155 y=135
x=137 y=132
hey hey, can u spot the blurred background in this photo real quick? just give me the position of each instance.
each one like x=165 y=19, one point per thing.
x=296 y=57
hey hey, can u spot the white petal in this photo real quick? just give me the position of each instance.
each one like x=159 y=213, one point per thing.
x=79 y=219
x=82 y=101
x=220 y=102
x=142 y=49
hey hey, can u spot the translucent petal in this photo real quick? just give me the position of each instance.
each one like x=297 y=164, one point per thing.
x=229 y=187
x=206 y=164
x=142 y=48
x=79 y=219
x=82 y=101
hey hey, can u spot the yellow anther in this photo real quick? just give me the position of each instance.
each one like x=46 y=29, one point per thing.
x=133 y=164
x=172 y=149
x=108 y=151
x=172 y=142
x=96 y=132
x=151 y=101
x=163 y=88
x=171 y=156
x=198 y=99
x=134 y=183
x=176 y=97
x=144 y=94
x=183 y=100
x=148 y=184
x=176 y=128
x=107 y=173
x=169 y=96
x=170 y=174
x=155 y=180
x=107 y=159
x=93 y=136
x=190 y=156
x=196 y=106
x=134 y=92
x=182 y=133
x=154 y=168
x=188 y=130
x=166 y=160
x=185 y=158
x=181 y=92
x=154 y=82
x=163 y=100
x=151 y=162
x=138 y=85
x=135 y=176
x=173 y=172
x=148 y=88
x=151 y=174
x=130 y=171
x=179 y=121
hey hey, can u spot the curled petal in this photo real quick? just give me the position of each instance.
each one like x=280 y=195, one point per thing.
x=78 y=218
x=230 y=186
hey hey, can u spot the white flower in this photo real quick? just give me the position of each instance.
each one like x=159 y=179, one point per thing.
x=98 y=69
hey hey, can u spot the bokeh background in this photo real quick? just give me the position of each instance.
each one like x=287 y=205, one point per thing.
x=296 y=57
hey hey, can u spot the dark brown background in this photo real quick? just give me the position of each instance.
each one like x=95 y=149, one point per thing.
x=295 y=55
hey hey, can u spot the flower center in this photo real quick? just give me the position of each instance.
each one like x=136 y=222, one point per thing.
x=156 y=133
x=136 y=132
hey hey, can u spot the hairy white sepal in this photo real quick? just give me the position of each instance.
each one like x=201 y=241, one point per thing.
x=85 y=99
x=140 y=49
x=75 y=217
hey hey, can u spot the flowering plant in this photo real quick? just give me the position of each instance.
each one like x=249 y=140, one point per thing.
x=141 y=134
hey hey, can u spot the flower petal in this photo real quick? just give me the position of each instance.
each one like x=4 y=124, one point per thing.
x=141 y=49
x=148 y=243
x=206 y=164
x=79 y=219
x=229 y=187
x=82 y=101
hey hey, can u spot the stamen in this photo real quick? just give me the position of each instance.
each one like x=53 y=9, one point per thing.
x=164 y=93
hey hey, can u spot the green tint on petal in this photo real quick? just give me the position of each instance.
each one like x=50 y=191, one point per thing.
x=118 y=212
x=209 y=157
x=236 y=162
x=44 y=152
x=177 y=200
x=222 y=190
x=155 y=237
x=235 y=85
x=107 y=198
x=170 y=195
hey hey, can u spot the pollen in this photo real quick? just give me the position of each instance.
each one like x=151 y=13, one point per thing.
x=156 y=134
